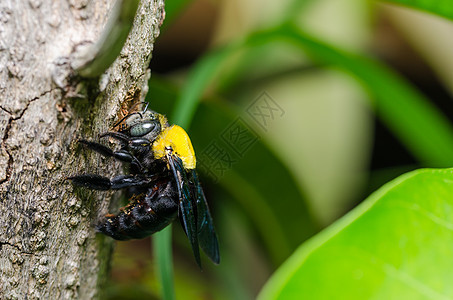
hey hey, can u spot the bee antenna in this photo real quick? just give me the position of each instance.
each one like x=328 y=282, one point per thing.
x=138 y=103
x=124 y=118
x=139 y=113
x=146 y=107
x=144 y=110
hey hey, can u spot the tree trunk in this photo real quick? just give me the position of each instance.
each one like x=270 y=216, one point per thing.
x=48 y=246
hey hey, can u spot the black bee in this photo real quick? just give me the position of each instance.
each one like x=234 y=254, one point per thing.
x=162 y=183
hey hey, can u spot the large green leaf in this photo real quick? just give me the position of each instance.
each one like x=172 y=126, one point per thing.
x=443 y=8
x=398 y=244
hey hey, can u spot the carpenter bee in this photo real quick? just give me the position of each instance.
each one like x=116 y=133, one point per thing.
x=162 y=182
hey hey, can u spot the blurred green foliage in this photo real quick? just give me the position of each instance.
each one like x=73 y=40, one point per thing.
x=273 y=196
x=441 y=7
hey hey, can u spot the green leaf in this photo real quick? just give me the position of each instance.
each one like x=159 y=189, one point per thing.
x=199 y=78
x=397 y=244
x=443 y=8
x=419 y=125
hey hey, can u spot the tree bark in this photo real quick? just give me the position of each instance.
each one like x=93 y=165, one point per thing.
x=48 y=246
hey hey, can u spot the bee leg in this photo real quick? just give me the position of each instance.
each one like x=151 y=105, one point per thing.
x=136 y=165
x=99 y=148
x=124 y=156
x=124 y=139
x=96 y=182
x=140 y=145
x=127 y=181
x=121 y=155
x=91 y=181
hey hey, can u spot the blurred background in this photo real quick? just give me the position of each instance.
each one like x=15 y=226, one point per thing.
x=297 y=125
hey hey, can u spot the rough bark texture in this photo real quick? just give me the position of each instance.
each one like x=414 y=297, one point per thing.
x=48 y=247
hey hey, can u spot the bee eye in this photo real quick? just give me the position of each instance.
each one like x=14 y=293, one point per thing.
x=143 y=128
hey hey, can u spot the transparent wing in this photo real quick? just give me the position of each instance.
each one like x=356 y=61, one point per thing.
x=207 y=237
x=187 y=204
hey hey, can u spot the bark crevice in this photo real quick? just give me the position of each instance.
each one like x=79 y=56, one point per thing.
x=6 y=134
x=15 y=247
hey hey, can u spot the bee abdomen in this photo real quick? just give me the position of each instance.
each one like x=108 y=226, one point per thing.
x=142 y=218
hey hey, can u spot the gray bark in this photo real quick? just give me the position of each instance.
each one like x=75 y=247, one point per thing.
x=48 y=247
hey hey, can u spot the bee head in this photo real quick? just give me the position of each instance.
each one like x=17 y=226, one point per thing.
x=147 y=124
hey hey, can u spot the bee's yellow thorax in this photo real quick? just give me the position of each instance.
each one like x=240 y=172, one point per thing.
x=176 y=138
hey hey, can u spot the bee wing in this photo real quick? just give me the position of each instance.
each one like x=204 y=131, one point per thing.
x=206 y=233
x=187 y=204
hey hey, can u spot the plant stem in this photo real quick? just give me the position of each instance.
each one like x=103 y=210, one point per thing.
x=163 y=255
